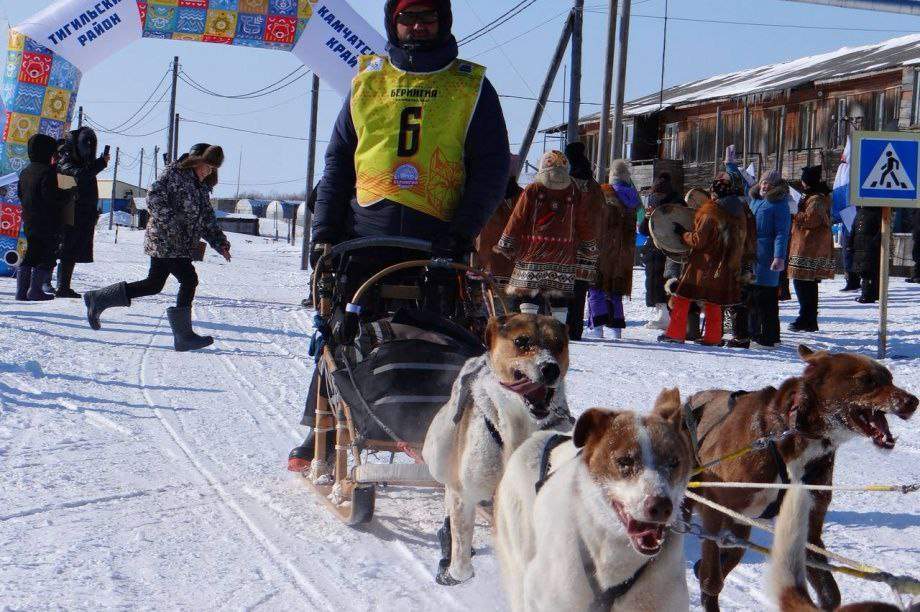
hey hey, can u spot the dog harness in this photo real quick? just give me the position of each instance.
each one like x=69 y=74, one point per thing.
x=605 y=598
x=551 y=443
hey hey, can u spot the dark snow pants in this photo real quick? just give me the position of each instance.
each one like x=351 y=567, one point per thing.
x=764 y=314
x=160 y=269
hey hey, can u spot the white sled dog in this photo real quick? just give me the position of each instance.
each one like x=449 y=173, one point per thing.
x=583 y=523
x=497 y=401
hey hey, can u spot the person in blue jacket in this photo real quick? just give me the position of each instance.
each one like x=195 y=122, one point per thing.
x=768 y=202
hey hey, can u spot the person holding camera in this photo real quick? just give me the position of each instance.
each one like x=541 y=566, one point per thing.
x=180 y=216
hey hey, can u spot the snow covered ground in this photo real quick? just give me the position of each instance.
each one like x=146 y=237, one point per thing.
x=132 y=476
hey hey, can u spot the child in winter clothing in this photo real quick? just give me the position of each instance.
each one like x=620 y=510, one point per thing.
x=548 y=235
x=616 y=225
x=42 y=206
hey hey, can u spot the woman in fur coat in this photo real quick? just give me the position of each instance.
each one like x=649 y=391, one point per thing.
x=548 y=235
x=616 y=245
x=713 y=272
x=811 y=248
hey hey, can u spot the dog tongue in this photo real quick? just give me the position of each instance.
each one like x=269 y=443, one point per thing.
x=533 y=391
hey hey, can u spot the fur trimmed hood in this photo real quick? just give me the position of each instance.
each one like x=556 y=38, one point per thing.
x=777 y=193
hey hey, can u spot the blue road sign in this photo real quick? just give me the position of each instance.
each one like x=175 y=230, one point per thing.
x=885 y=169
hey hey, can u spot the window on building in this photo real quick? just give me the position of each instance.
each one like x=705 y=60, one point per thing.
x=879 y=111
x=669 y=145
x=806 y=125
x=628 y=132
x=915 y=102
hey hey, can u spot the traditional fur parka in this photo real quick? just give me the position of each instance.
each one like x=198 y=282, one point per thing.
x=181 y=215
x=549 y=232
x=717 y=249
x=811 y=247
x=616 y=244
x=594 y=200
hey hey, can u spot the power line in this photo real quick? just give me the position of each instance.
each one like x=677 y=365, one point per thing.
x=236 y=129
x=249 y=112
x=491 y=27
x=762 y=24
x=258 y=93
x=485 y=26
x=522 y=34
x=142 y=106
x=103 y=130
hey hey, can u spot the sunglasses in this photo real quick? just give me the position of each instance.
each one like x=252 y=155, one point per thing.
x=419 y=17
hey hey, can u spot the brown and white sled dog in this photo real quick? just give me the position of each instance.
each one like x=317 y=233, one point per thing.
x=498 y=400
x=839 y=397
x=787 y=563
x=585 y=525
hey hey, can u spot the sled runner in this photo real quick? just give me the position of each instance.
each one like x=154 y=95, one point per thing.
x=387 y=353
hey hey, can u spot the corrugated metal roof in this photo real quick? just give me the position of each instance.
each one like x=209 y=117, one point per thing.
x=834 y=65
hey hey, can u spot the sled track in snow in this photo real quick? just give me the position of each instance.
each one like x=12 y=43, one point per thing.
x=301 y=582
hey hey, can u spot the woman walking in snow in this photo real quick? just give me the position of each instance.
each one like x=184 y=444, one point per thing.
x=180 y=216
x=616 y=241
x=811 y=248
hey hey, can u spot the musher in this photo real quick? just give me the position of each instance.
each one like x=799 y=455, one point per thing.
x=419 y=150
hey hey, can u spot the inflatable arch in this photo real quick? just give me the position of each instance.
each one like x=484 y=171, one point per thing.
x=48 y=54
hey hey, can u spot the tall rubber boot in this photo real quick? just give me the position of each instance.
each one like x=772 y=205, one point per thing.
x=677 y=330
x=184 y=338
x=23 y=278
x=35 y=293
x=712 y=334
x=100 y=299
x=64 y=276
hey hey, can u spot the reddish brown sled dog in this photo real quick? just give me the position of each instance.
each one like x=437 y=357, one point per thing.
x=837 y=398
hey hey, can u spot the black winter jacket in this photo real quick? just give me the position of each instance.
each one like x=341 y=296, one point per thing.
x=338 y=216
x=84 y=172
x=867 y=241
x=42 y=199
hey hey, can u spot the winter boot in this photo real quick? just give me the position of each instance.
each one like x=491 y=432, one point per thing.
x=596 y=332
x=915 y=277
x=64 y=276
x=184 y=338
x=35 y=293
x=300 y=457
x=23 y=278
x=869 y=291
x=661 y=318
x=616 y=333
x=852 y=282
x=100 y=299
x=693 y=324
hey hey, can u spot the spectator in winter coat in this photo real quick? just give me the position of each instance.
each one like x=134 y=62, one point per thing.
x=768 y=202
x=180 y=216
x=429 y=167
x=491 y=261
x=550 y=233
x=616 y=248
x=581 y=172
x=653 y=258
x=867 y=256
x=811 y=247
x=713 y=272
x=915 y=276
x=77 y=158
x=42 y=206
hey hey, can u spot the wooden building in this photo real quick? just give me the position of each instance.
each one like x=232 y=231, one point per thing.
x=786 y=115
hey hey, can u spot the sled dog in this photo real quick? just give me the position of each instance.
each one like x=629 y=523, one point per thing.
x=497 y=401
x=838 y=397
x=787 y=563
x=583 y=523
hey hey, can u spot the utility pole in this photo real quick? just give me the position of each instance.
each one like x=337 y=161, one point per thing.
x=603 y=141
x=80 y=118
x=571 y=134
x=140 y=173
x=175 y=145
x=544 y=93
x=619 y=85
x=311 y=162
x=239 y=172
x=114 y=186
x=156 y=161
x=171 y=138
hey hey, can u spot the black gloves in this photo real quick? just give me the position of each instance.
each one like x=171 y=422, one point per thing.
x=679 y=229
x=316 y=251
x=450 y=246
x=345 y=329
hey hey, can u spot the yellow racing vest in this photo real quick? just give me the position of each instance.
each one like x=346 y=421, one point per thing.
x=411 y=130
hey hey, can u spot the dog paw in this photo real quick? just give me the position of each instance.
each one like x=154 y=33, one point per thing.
x=444 y=578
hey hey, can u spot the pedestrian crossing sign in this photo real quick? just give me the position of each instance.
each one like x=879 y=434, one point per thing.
x=885 y=169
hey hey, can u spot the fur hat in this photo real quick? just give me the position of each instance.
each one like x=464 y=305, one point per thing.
x=212 y=155
x=620 y=170
x=811 y=176
x=773 y=178
x=553 y=171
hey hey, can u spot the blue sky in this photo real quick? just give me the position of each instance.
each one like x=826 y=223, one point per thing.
x=114 y=90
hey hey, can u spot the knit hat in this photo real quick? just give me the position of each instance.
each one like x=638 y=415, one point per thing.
x=402 y=5
x=773 y=178
x=811 y=176
x=445 y=19
x=620 y=170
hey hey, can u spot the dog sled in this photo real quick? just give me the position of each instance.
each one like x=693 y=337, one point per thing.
x=387 y=354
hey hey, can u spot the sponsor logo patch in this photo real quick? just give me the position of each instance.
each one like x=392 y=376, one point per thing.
x=406 y=176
